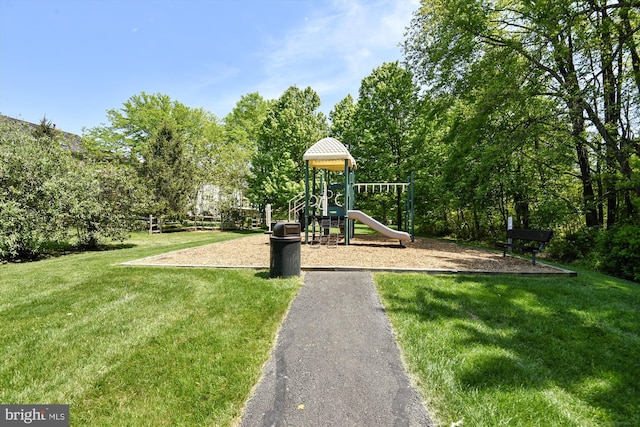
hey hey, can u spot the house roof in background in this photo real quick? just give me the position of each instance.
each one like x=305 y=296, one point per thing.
x=70 y=141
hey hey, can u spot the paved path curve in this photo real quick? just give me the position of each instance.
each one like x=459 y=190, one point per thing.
x=336 y=362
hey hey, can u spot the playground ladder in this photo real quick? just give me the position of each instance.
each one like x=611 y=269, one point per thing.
x=329 y=240
x=336 y=239
x=335 y=236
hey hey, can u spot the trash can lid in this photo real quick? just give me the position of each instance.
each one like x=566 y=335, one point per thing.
x=286 y=229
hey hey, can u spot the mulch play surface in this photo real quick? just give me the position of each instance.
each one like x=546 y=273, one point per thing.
x=366 y=252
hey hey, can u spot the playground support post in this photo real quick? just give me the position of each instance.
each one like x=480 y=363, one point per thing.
x=347 y=203
x=306 y=202
x=409 y=209
x=413 y=209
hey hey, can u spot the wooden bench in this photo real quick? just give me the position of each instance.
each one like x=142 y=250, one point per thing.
x=522 y=239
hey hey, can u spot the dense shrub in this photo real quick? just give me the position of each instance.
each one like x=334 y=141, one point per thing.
x=28 y=166
x=615 y=251
x=574 y=246
x=100 y=201
x=619 y=249
x=47 y=195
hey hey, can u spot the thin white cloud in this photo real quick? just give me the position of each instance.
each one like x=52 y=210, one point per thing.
x=336 y=47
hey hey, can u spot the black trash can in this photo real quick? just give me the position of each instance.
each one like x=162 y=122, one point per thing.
x=285 y=245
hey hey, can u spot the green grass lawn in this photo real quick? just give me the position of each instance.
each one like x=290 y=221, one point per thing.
x=137 y=345
x=142 y=346
x=520 y=351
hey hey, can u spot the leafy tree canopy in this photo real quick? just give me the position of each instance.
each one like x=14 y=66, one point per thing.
x=291 y=126
x=242 y=127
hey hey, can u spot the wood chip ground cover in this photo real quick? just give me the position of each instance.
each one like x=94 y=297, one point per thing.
x=366 y=251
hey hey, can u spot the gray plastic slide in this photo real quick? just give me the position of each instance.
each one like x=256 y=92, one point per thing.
x=378 y=226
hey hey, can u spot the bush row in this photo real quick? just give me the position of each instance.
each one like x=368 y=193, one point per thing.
x=48 y=195
x=615 y=251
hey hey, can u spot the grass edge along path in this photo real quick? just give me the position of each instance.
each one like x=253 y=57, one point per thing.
x=140 y=346
x=520 y=351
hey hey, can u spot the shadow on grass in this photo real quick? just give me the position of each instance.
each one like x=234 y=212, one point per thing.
x=262 y=274
x=536 y=334
x=55 y=250
x=59 y=249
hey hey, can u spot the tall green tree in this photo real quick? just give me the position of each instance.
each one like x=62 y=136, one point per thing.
x=206 y=150
x=386 y=117
x=580 y=53
x=242 y=127
x=168 y=171
x=343 y=125
x=292 y=124
x=244 y=123
x=135 y=126
x=132 y=126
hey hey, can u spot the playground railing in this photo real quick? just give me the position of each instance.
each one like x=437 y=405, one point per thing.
x=295 y=205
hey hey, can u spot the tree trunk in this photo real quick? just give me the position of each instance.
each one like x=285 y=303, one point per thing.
x=588 y=195
x=611 y=115
x=576 y=106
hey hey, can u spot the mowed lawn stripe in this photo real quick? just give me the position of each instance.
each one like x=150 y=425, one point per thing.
x=136 y=345
x=520 y=351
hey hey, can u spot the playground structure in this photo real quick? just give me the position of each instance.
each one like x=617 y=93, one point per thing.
x=329 y=206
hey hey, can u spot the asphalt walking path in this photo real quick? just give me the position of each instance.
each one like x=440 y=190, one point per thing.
x=336 y=362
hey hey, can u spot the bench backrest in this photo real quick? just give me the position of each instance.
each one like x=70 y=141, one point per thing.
x=531 y=235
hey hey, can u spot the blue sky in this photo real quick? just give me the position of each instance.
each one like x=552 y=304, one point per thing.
x=72 y=60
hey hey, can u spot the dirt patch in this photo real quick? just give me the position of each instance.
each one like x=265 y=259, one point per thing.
x=365 y=251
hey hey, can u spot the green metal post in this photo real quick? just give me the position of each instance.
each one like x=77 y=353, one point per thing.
x=347 y=223
x=306 y=203
x=413 y=209
x=352 y=199
x=406 y=218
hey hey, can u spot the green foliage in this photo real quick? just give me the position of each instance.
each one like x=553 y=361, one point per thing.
x=576 y=245
x=167 y=171
x=619 y=249
x=242 y=128
x=47 y=195
x=243 y=124
x=378 y=205
x=291 y=126
x=614 y=251
x=133 y=125
x=139 y=129
x=100 y=201
x=45 y=129
x=29 y=170
x=343 y=126
x=380 y=131
x=536 y=123
x=385 y=117
x=278 y=187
